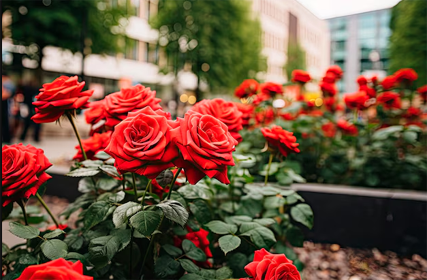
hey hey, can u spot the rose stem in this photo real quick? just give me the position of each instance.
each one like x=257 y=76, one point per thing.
x=70 y=118
x=355 y=115
x=24 y=211
x=270 y=160
x=146 y=189
x=47 y=209
x=173 y=182
x=150 y=245
x=130 y=254
x=124 y=183
x=231 y=188
x=134 y=186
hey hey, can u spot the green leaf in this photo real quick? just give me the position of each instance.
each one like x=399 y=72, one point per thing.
x=5 y=211
x=95 y=214
x=27 y=259
x=262 y=237
x=302 y=213
x=57 y=232
x=75 y=256
x=74 y=242
x=92 y=163
x=247 y=226
x=228 y=243
x=103 y=249
x=224 y=273
x=117 y=197
x=265 y=221
x=294 y=176
x=190 y=276
x=54 y=249
x=86 y=185
x=166 y=267
x=174 y=211
x=110 y=170
x=238 y=220
x=83 y=172
x=410 y=136
x=200 y=190
x=201 y=211
x=172 y=250
x=145 y=222
x=192 y=251
x=250 y=207
x=295 y=236
x=273 y=202
x=26 y=232
x=189 y=266
x=220 y=227
x=4 y=249
x=102 y=155
x=106 y=184
x=124 y=212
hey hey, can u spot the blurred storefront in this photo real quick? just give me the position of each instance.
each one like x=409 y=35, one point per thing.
x=359 y=44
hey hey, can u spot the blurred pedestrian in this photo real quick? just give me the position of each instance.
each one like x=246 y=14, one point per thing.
x=29 y=90
x=7 y=91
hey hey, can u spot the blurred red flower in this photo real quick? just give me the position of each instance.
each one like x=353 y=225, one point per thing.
x=356 y=100
x=56 y=269
x=329 y=129
x=423 y=92
x=389 y=82
x=280 y=139
x=347 y=128
x=247 y=88
x=300 y=76
x=200 y=239
x=271 y=88
x=336 y=71
x=389 y=100
x=97 y=143
x=406 y=75
x=247 y=113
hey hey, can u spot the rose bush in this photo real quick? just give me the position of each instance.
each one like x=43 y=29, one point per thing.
x=161 y=198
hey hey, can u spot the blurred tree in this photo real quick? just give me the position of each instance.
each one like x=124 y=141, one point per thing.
x=408 y=41
x=295 y=59
x=88 y=26
x=219 y=39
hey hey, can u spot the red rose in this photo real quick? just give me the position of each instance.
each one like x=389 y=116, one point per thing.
x=329 y=129
x=329 y=103
x=423 y=92
x=369 y=91
x=271 y=267
x=300 y=76
x=389 y=82
x=361 y=80
x=247 y=112
x=225 y=111
x=264 y=117
x=347 y=128
x=389 y=100
x=61 y=227
x=281 y=139
x=142 y=143
x=356 y=100
x=206 y=147
x=200 y=239
x=247 y=88
x=412 y=113
x=374 y=80
x=63 y=94
x=261 y=97
x=287 y=116
x=406 y=75
x=329 y=78
x=23 y=171
x=98 y=142
x=95 y=115
x=328 y=89
x=271 y=88
x=119 y=104
x=59 y=269
x=336 y=71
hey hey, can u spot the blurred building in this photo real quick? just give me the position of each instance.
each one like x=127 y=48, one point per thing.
x=359 y=45
x=137 y=64
x=285 y=20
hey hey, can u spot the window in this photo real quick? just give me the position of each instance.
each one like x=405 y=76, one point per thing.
x=367 y=25
x=131 y=48
x=152 y=53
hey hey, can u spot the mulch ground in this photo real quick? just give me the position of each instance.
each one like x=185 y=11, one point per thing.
x=324 y=261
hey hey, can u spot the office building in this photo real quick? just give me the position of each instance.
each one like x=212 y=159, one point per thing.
x=359 y=45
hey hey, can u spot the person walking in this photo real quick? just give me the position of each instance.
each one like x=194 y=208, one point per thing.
x=29 y=91
x=7 y=91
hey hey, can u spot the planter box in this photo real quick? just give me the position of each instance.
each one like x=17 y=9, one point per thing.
x=349 y=216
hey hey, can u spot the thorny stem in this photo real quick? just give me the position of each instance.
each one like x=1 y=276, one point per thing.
x=24 y=211
x=146 y=189
x=47 y=209
x=134 y=186
x=173 y=182
x=270 y=160
x=70 y=118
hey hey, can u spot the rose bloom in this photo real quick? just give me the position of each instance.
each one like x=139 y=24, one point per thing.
x=247 y=88
x=374 y=80
x=329 y=129
x=225 y=111
x=280 y=139
x=56 y=98
x=97 y=143
x=300 y=76
x=389 y=100
x=119 y=104
x=58 y=269
x=336 y=71
x=260 y=97
x=271 y=88
x=347 y=128
x=206 y=147
x=423 y=92
x=412 y=113
x=95 y=114
x=271 y=267
x=142 y=143
x=369 y=91
x=200 y=239
x=264 y=117
x=356 y=100
x=406 y=74
x=361 y=80
x=329 y=103
x=287 y=116
x=328 y=89
x=329 y=78
x=61 y=227
x=23 y=172
x=389 y=82
x=247 y=112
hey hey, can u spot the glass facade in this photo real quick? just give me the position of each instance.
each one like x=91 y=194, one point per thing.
x=367 y=34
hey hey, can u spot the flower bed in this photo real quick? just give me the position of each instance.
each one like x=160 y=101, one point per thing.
x=161 y=199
